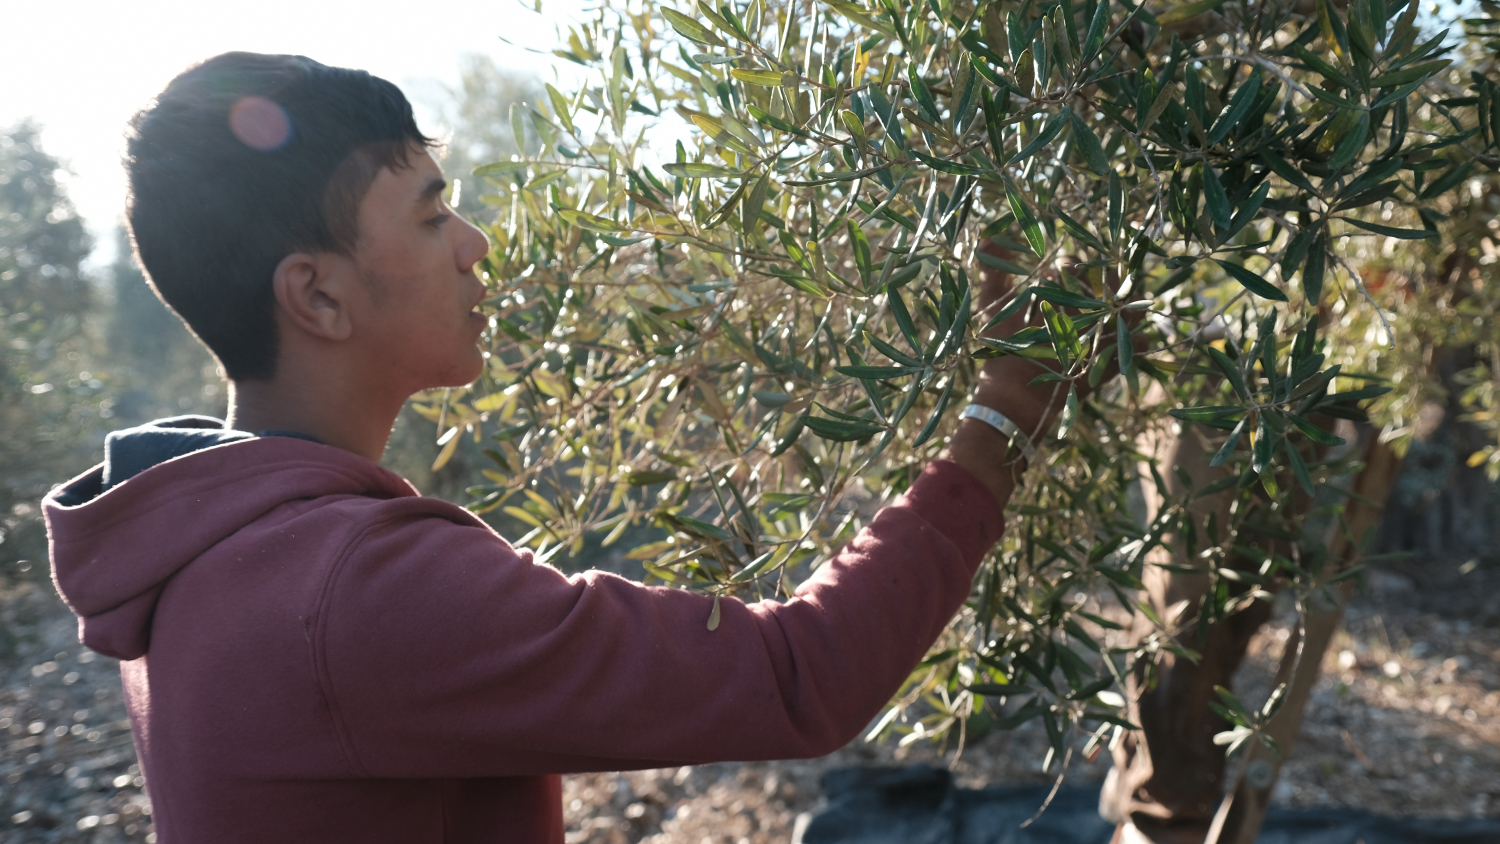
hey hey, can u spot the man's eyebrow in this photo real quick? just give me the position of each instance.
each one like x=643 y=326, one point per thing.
x=432 y=190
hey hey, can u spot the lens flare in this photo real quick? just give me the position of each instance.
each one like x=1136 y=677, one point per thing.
x=259 y=123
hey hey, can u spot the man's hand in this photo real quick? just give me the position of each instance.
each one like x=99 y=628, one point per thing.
x=1005 y=384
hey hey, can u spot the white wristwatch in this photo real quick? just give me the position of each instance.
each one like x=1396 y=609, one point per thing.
x=997 y=420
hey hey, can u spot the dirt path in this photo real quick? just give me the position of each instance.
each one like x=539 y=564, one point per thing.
x=1406 y=721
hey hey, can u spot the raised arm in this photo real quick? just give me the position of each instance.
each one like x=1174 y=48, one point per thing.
x=484 y=664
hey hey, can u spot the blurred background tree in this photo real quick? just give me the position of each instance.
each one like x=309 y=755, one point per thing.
x=478 y=112
x=157 y=367
x=51 y=394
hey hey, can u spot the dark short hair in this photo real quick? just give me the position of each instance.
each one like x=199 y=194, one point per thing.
x=243 y=160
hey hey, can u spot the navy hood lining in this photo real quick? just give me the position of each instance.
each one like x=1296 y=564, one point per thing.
x=130 y=452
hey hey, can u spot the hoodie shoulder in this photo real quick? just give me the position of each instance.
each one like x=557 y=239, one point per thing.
x=113 y=553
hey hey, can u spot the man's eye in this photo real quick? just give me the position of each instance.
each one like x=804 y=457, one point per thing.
x=439 y=220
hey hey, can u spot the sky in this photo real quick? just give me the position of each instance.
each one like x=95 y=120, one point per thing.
x=81 y=68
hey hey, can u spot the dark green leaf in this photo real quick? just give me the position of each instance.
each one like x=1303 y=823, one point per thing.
x=1089 y=146
x=1204 y=414
x=1312 y=271
x=1069 y=413
x=1296 y=251
x=1059 y=296
x=994 y=115
x=861 y=248
x=1446 y=181
x=1239 y=104
x=1095 y=38
x=1254 y=283
x=1125 y=348
x=1299 y=468
x=1409 y=74
x=903 y=318
x=943 y=165
x=1329 y=72
x=1313 y=432
x=892 y=352
x=1263 y=446
x=1227 y=449
x=1217 y=199
x=1333 y=99
x=1024 y=218
x=877 y=373
x=1388 y=231
x=1032 y=709
x=1230 y=371
x=1044 y=137
x=771 y=398
x=921 y=94
x=1247 y=212
x=1079 y=231
x=1116 y=208
x=937 y=414
x=1064 y=335
x=1285 y=170
x=840 y=431
x=774 y=122
x=701 y=528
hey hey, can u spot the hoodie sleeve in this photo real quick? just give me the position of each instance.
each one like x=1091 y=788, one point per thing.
x=445 y=653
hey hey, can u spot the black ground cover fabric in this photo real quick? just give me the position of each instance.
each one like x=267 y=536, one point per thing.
x=922 y=805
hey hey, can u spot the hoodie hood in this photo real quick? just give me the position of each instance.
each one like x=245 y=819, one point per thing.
x=166 y=493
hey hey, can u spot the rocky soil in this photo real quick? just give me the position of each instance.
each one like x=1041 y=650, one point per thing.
x=1406 y=721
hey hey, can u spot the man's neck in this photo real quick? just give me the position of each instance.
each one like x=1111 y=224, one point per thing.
x=338 y=415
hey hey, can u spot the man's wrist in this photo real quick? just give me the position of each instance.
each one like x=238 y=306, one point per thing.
x=1020 y=441
x=1005 y=384
x=1028 y=411
x=982 y=450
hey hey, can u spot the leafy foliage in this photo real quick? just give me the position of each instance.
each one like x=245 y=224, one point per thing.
x=735 y=294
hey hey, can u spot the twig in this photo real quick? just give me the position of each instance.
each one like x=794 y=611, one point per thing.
x=1390 y=333
x=1057 y=784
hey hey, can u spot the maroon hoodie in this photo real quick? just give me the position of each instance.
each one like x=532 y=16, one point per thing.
x=312 y=652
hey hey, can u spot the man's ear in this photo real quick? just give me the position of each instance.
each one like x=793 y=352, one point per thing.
x=310 y=295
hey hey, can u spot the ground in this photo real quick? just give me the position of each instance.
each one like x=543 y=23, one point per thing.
x=1405 y=721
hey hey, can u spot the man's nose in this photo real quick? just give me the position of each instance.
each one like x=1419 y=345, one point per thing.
x=472 y=245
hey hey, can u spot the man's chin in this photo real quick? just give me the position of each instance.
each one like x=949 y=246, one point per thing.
x=451 y=380
x=467 y=374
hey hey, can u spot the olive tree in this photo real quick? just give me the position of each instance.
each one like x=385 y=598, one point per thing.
x=736 y=298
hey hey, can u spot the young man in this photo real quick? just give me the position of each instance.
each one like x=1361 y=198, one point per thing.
x=311 y=652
